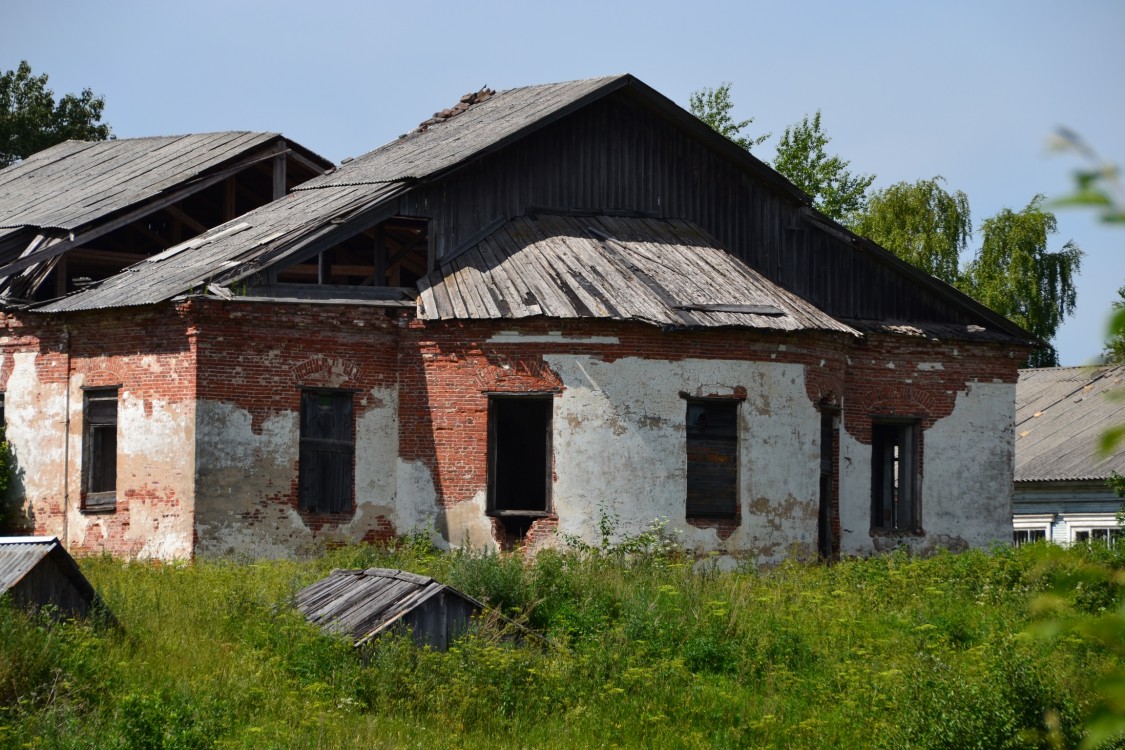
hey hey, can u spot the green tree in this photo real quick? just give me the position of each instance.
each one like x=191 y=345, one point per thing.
x=713 y=106
x=1114 y=351
x=922 y=223
x=1017 y=276
x=31 y=120
x=802 y=158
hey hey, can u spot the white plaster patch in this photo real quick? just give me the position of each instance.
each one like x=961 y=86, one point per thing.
x=619 y=441
x=931 y=366
x=966 y=479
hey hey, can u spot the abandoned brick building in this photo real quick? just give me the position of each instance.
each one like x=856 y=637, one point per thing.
x=540 y=306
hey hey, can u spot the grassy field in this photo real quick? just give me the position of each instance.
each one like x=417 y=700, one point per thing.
x=1008 y=649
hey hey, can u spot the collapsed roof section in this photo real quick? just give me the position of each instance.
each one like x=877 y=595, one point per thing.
x=82 y=211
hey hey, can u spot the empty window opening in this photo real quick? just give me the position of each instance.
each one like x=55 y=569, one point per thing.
x=894 y=477
x=327 y=458
x=712 y=459
x=519 y=459
x=827 y=542
x=99 y=456
x=392 y=254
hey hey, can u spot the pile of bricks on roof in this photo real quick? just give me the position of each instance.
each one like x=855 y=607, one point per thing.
x=468 y=100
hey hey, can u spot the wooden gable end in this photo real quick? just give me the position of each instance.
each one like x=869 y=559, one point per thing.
x=622 y=154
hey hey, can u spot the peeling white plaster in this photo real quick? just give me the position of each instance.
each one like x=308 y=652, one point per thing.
x=966 y=477
x=931 y=366
x=467 y=525
x=620 y=448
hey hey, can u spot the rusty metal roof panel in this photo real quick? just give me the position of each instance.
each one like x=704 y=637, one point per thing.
x=668 y=273
x=1061 y=414
x=479 y=128
x=75 y=183
x=246 y=243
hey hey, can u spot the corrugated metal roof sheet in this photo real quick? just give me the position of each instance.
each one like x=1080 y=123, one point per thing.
x=361 y=604
x=666 y=272
x=77 y=182
x=18 y=555
x=477 y=129
x=228 y=250
x=1061 y=414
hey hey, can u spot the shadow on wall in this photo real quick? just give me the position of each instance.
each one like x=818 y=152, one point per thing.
x=16 y=515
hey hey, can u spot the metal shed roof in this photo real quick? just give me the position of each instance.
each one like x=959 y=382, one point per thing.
x=1061 y=413
x=666 y=272
x=361 y=604
x=19 y=555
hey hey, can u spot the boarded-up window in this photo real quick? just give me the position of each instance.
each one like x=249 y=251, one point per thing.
x=894 y=476
x=327 y=452
x=519 y=454
x=712 y=459
x=99 y=449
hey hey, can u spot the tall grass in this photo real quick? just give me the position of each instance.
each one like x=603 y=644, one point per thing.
x=978 y=650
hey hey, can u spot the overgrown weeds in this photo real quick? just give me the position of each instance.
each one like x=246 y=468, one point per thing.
x=1007 y=649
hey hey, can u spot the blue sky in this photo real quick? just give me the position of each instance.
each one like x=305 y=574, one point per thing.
x=967 y=90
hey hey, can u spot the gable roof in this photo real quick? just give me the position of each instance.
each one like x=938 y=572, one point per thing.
x=489 y=125
x=1061 y=414
x=668 y=273
x=362 y=604
x=77 y=182
x=21 y=555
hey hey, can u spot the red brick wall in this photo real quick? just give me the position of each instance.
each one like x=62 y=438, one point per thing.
x=149 y=353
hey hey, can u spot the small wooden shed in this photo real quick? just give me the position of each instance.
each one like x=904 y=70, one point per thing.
x=362 y=604
x=37 y=571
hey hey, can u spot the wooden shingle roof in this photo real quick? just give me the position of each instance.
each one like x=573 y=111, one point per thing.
x=77 y=182
x=668 y=273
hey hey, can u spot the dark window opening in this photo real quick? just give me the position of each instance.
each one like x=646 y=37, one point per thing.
x=327 y=457
x=392 y=254
x=826 y=535
x=99 y=457
x=1028 y=536
x=894 y=477
x=712 y=459
x=519 y=460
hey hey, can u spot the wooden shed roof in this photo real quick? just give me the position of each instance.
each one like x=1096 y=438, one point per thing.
x=668 y=273
x=361 y=604
x=1061 y=414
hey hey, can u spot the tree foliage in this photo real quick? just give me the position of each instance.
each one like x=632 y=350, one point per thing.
x=922 y=223
x=31 y=120
x=802 y=158
x=1017 y=276
x=714 y=106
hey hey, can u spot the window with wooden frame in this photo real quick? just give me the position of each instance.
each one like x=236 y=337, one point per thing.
x=99 y=449
x=895 y=476
x=712 y=459
x=519 y=455
x=327 y=457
